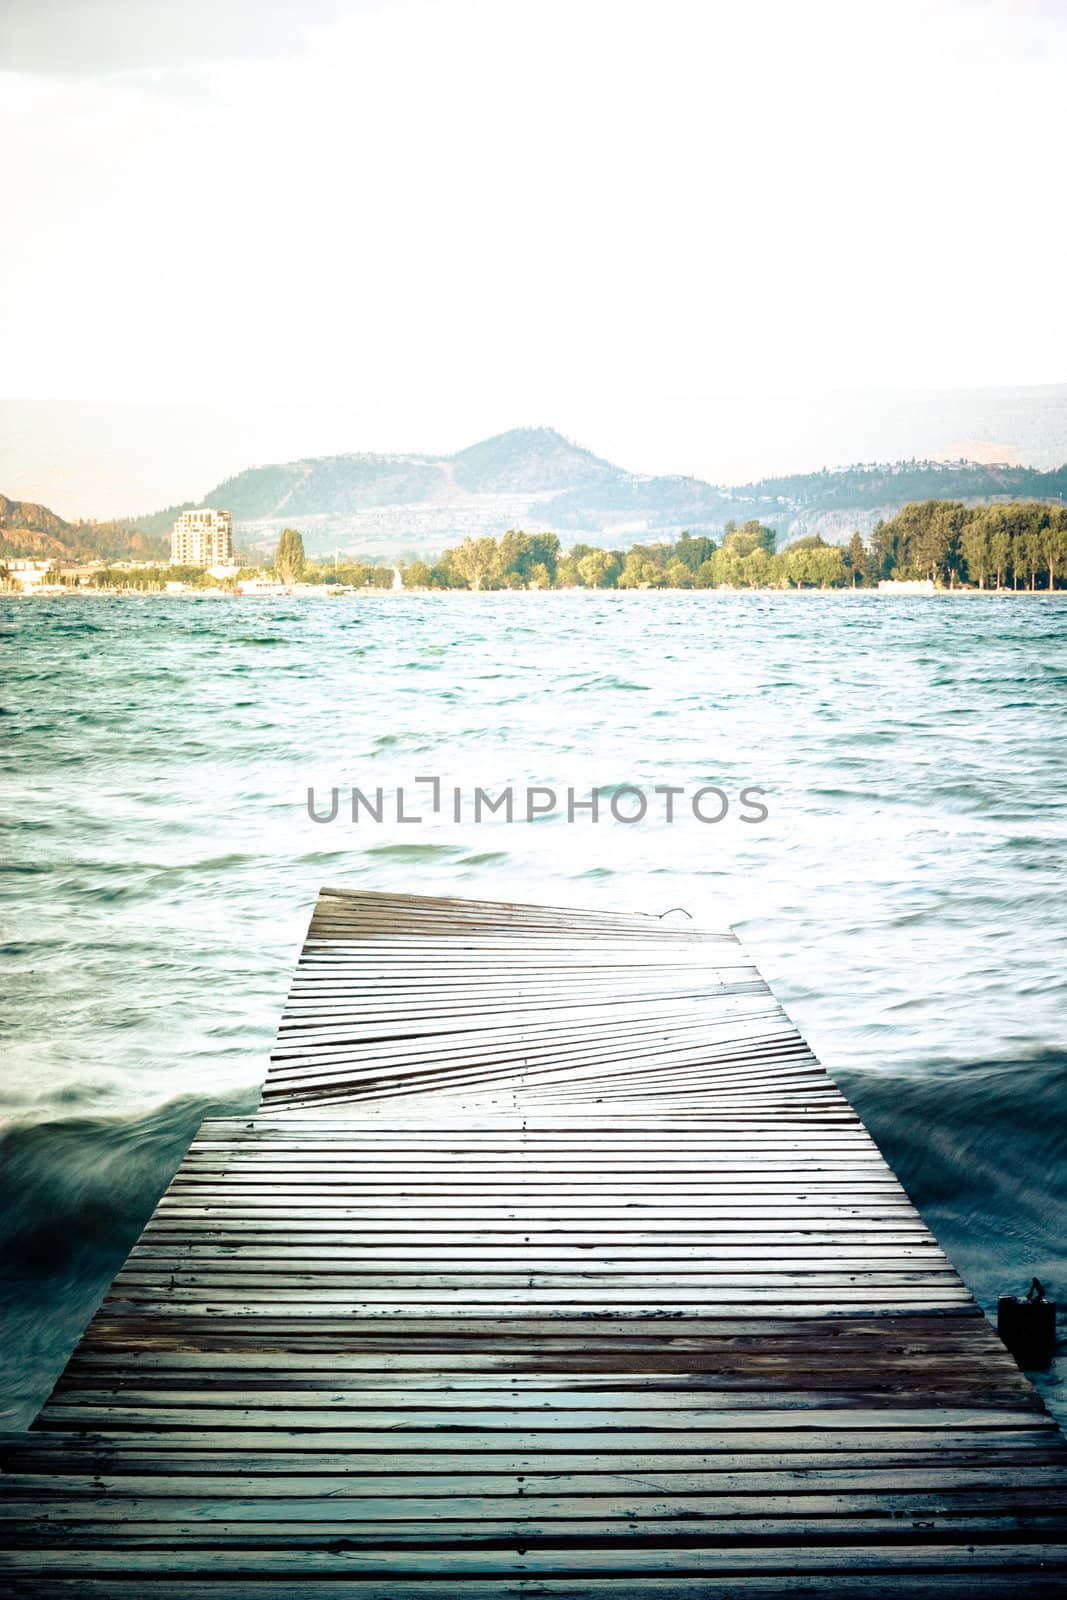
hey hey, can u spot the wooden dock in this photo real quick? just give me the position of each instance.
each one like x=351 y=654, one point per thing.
x=554 y=1265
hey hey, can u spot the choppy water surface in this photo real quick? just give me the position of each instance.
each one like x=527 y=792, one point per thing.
x=904 y=897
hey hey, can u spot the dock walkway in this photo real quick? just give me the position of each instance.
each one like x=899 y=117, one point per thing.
x=553 y=1265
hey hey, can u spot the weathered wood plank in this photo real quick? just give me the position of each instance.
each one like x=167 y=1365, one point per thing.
x=555 y=1264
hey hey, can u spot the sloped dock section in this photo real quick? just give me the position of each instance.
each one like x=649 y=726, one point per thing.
x=554 y=1265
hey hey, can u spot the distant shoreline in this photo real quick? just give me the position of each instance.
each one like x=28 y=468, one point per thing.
x=334 y=591
x=936 y=546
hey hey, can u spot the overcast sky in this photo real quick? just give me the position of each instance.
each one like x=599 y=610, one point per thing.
x=424 y=222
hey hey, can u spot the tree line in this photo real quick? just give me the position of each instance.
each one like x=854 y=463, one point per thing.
x=1009 y=545
x=1019 y=545
x=746 y=558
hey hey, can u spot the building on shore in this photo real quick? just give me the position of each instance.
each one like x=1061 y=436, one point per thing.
x=29 y=573
x=202 y=538
x=43 y=575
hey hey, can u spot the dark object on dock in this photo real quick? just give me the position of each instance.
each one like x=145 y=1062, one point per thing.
x=553 y=1264
x=1027 y=1324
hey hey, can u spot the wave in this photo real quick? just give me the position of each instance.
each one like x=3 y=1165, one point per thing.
x=74 y=1195
x=981 y=1148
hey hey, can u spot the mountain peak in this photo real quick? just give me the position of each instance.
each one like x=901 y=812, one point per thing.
x=529 y=460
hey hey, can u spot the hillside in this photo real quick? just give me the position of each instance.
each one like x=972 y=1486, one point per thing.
x=329 y=486
x=537 y=479
x=530 y=461
x=33 y=530
x=873 y=485
x=533 y=478
x=526 y=461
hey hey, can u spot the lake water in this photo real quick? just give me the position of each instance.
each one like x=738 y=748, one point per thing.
x=904 y=896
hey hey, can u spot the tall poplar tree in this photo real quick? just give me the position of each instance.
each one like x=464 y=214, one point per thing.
x=289 y=558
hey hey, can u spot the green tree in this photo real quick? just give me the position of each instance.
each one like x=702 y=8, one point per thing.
x=885 y=549
x=475 y=561
x=543 y=550
x=594 y=568
x=353 y=574
x=856 y=559
x=639 y=571
x=520 y=553
x=1054 y=543
x=757 y=568
x=811 y=563
x=999 y=527
x=693 y=552
x=936 y=542
x=751 y=535
x=975 y=546
x=726 y=567
x=923 y=540
x=676 y=575
x=416 y=575
x=828 y=566
x=1028 y=553
x=289 y=558
x=513 y=561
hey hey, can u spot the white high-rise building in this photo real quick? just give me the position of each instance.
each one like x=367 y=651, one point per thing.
x=202 y=539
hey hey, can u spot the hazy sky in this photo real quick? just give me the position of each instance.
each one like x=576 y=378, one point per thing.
x=430 y=221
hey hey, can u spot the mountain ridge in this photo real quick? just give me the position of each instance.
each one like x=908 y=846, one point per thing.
x=34 y=531
x=410 y=502
x=538 y=477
